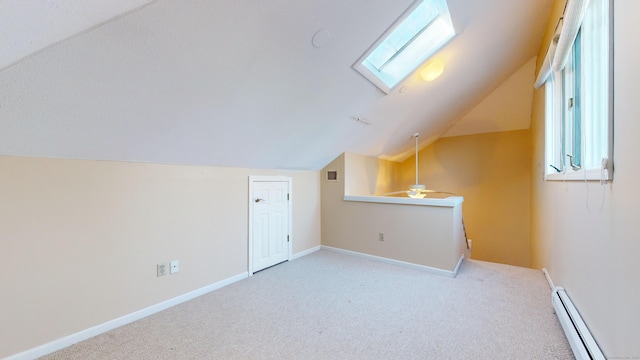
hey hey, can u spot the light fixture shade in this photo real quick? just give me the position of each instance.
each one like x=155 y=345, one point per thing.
x=415 y=191
x=433 y=70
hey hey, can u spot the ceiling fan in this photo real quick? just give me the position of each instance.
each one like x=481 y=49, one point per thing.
x=417 y=190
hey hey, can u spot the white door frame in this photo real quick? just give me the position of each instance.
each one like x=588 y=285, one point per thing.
x=252 y=180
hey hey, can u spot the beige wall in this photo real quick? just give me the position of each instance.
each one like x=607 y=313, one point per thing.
x=423 y=235
x=492 y=172
x=586 y=234
x=80 y=240
x=364 y=175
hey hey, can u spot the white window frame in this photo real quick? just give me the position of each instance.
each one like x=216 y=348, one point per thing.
x=418 y=51
x=582 y=97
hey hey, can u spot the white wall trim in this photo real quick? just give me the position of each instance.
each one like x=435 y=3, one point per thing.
x=455 y=270
x=595 y=174
x=548 y=277
x=69 y=340
x=429 y=269
x=451 y=201
x=300 y=254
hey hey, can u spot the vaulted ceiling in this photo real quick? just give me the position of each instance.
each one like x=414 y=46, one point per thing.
x=241 y=83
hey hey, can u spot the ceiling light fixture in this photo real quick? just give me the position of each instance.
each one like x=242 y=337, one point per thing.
x=417 y=191
x=432 y=70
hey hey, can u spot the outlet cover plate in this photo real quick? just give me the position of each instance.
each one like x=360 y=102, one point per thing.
x=161 y=269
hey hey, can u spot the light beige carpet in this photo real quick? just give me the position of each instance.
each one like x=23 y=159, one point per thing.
x=334 y=306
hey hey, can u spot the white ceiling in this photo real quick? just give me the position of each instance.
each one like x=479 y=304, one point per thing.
x=239 y=82
x=30 y=26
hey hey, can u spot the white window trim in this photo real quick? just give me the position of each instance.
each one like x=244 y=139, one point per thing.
x=593 y=169
x=380 y=79
x=580 y=175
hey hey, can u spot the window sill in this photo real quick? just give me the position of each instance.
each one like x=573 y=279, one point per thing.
x=580 y=175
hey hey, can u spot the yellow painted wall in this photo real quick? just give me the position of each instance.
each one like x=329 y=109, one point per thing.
x=492 y=172
x=80 y=240
x=586 y=234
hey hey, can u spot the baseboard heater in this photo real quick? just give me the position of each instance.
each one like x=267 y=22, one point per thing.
x=582 y=343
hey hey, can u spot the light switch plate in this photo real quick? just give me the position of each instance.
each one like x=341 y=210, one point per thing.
x=174 y=267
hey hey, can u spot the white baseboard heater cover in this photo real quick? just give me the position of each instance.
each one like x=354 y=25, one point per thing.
x=582 y=343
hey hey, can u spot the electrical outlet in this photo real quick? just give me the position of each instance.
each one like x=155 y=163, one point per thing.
x=162 y=269
x=175 y=266
x=381 y=236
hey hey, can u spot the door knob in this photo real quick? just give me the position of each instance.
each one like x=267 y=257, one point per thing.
x=257 y=200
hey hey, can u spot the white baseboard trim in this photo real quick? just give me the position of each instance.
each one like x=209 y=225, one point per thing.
x=455 y=270
x=69 y=340
x=305 y=252
x=548 y=277
x=429 y=269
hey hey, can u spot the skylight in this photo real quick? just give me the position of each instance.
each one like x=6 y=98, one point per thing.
x=417 y=35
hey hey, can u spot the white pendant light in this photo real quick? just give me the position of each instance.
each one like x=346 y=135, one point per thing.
x=416 y=190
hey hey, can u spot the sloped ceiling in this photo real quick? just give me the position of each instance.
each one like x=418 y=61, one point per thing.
x=508 y=107
x=237 y=82
x=30 y=26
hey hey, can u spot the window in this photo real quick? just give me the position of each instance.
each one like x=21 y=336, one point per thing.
x=421 y=31
x=578 y=100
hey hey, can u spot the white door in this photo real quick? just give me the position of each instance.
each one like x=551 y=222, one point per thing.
x=269 y=242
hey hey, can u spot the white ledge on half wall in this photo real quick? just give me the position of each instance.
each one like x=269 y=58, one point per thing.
x=450 y=201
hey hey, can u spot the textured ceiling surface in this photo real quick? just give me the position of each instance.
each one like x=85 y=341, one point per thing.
x=30 y=26
x=240 y=83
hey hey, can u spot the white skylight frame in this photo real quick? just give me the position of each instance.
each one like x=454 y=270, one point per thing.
x=408 y=55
